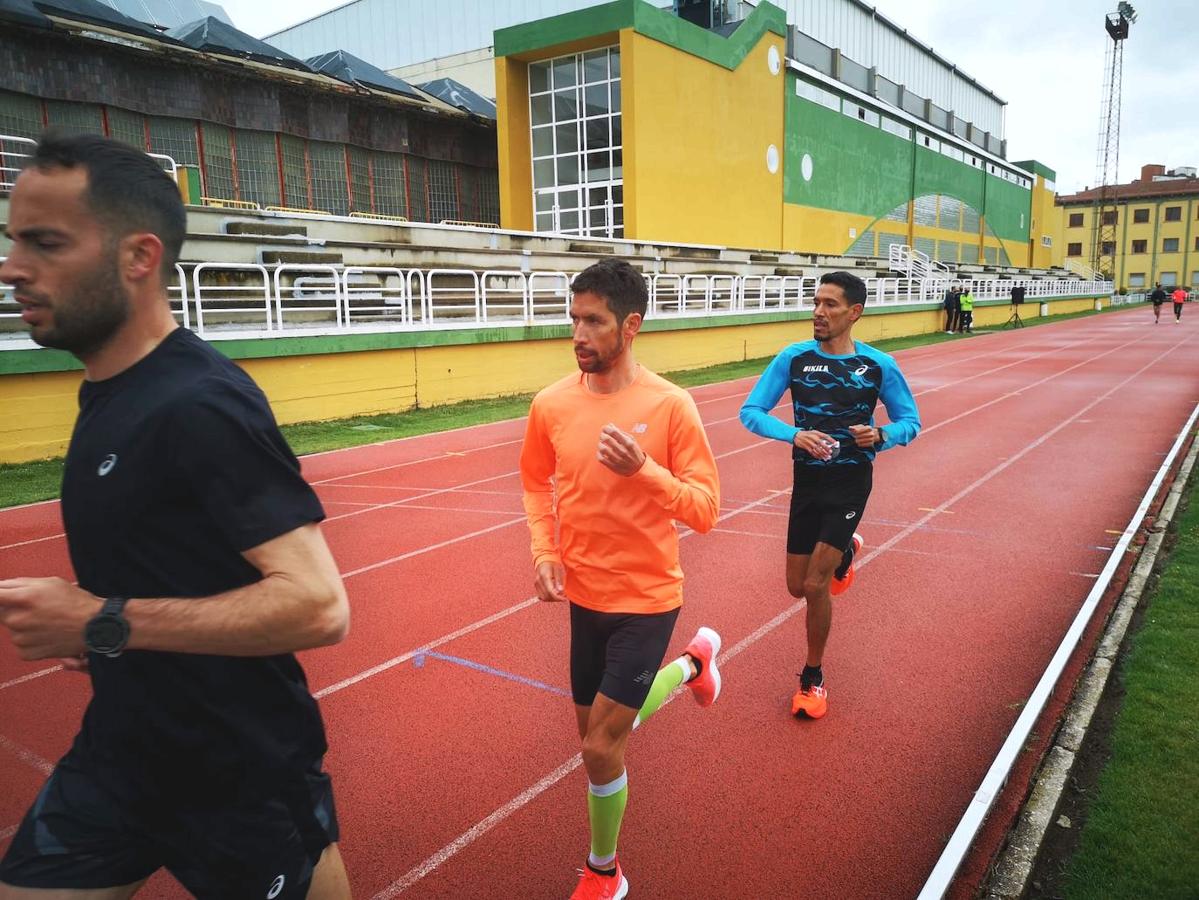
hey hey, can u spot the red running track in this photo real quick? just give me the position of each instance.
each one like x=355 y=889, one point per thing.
x=452 y=744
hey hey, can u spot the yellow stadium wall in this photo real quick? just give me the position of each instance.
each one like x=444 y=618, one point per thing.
x=813 y=230
x=694 y=130
x=37 y=410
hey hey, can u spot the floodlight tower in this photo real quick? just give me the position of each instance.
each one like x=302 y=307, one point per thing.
x=1103 y=228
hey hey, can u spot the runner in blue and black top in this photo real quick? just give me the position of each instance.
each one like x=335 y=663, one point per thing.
x=835 y=384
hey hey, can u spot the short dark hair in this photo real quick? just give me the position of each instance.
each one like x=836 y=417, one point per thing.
x=622 y=286
x=127 y=191
x=853 y=286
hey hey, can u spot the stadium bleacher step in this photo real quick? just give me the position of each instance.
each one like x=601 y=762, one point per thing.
x=258 y=228
x=300 y=257
x=581 y=247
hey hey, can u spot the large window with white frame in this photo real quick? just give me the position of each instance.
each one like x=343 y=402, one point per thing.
x=578 y=166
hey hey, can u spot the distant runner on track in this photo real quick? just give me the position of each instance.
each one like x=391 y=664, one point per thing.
x=613 y=455
x=835 y=384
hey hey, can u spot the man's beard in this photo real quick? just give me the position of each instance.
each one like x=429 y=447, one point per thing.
x=601 y=363
x=85 y=320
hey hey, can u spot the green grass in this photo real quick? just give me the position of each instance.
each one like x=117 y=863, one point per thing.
x=31 y=482
x=1141 y=837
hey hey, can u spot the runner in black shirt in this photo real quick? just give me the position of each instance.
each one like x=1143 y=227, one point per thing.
x=1158 y=296
x=201 y=748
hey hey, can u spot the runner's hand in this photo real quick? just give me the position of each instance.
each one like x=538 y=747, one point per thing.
x=46 y=616
x=548 y=582
x=865 y=436
x=619 y=451
x=816 y=444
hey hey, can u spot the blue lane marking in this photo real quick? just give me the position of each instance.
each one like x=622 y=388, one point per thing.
x=489 y=670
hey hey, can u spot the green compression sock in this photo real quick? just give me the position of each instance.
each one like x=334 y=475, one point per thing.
x=667 y=679
x=605 y=808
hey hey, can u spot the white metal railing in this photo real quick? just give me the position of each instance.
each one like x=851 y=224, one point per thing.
x=902 y=259
x=246 y=300
x=15 y=150
x=1078 y=267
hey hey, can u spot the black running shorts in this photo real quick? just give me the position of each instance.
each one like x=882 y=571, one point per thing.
x=80 y=835
x=616 y=654
x=827 y=503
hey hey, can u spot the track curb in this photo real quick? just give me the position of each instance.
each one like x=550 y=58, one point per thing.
x=1010 y=875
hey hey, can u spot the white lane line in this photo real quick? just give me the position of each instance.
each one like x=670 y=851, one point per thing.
x=49 y=537
x=26 y=756
x=443 y=455
x=420 y=551
x=424 y=648
x=6 y=833
x=29 y=677
x=405 y=500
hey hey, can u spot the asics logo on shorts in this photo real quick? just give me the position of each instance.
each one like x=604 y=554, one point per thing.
x=851 y=514
x=110 y=463
x=276 y=888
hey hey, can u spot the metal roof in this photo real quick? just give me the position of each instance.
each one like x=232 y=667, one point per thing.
x=457 y=94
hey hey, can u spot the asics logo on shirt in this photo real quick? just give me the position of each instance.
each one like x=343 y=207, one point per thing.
x=276 y=888
x=110 y=463
x=861 y=370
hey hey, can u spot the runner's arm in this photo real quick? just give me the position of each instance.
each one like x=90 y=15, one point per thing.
x=755 y=412
x=689 y=487
x=901 y=408
x=537 y=463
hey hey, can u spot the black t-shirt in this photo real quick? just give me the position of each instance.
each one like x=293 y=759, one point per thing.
x=175 y=467
x=1158 y=296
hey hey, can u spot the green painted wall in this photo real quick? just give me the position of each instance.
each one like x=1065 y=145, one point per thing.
x=860 y=169
x=856 y=167
x=1008 y=208
x=938 y=174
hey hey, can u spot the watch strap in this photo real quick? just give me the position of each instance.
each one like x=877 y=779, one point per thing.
x=113 y=606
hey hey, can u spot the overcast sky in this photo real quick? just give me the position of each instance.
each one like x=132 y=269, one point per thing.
x=1044 y=58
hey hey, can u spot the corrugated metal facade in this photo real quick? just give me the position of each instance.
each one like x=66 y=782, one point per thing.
x=868 y=39
x=393 y=33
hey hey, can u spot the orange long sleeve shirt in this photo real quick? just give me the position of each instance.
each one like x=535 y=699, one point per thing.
x=615 y=534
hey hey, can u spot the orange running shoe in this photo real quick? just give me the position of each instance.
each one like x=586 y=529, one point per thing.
x=704 y=646
x=812 y=703
x=594 y=886
x=841 y=585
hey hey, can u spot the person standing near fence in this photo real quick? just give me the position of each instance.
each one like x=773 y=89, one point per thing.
x=201 y=570
x=966 y=303
x=952 y=306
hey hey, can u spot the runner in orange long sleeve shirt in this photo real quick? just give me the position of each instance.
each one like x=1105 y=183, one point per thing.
x=612 y=457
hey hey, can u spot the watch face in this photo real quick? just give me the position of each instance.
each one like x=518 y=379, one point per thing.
x=106 y=634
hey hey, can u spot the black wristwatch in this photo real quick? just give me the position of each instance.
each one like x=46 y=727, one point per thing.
x=882 y=439
x=107 y=632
